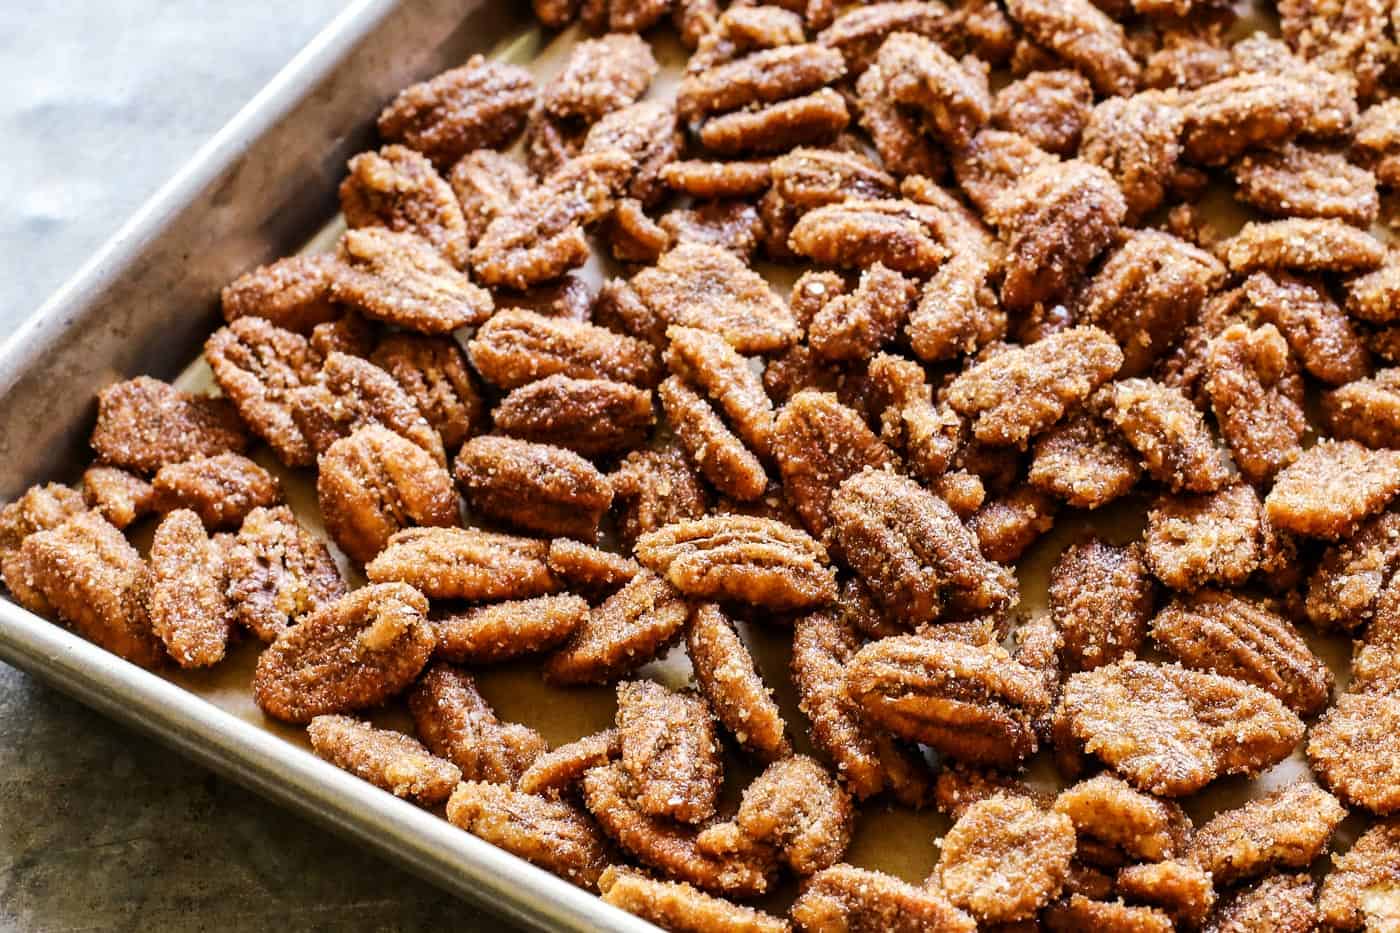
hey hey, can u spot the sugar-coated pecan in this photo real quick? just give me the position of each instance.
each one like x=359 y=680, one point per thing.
x=120 y=496
x=1007 y=525
x=761 y=78
x=1256 y=394
x=517 y=347
x=1168 y=730
x=389 y=760
x=1078 y=912
x=350 y=334
x=1179 y=887
x=351 y=654
x=858 y=33
x=221 y=489
x=1137 y=140
x=958 y=311
x=844 y=897
x=961 y=785
x=189 y=606
x=993 y=163
x=855 y=325
x=454 y=720
x=717 y=452
x=552 y=834
x=40 y=508
x=400 y=279
x=758 y=561
x=1083 y=35
x=735 y=226
x=675 y=905
x=486 y=184
x=1287 y=828
x=590 y=568
x=144 y=424
x=87 y=573
x=1315 y=327
x=601 y=75
x=717 y=180
x=375 y=483
x=1367 y=410
x=927 y=436
x=808 y=178
x=727 y=676
x=1014 y=395
x=1375 y=296
x=1302 y=182
x=505 y=630
x=434 y=373
x=1101 y=598
x=656 y=488
x=293 y=293
x=1124 y=822
x=398 y=188
x=695 y=285
x=627 y=630
x=1349 y=38
x=1050 y=108
x=1359 y=891
x=465 y=563
x=917 y=557
x=1278 y=902
x=647 y=133
x=532 y=486
x=1168 y=433
x=899 y=136
x=278 y=572
x=970 y=702
x=350 y=393
x=799 y=121
x=860 y=233
x=1331 y=487
x=481 y=105
x=558 y=770
x=1260 y=109
x=1303 y=244
x=704 y=359
x=1354 y=749
x=1005 y=858
x=953 y=96
x=1081 y=461
x=1191 y=541
x=670 y=751
x=662 y=844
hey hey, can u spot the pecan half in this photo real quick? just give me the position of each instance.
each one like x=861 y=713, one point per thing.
x=389 y=760
x=189 y=608
x=398 y=278
x=144 y=424
x=627 y=630
x=670 y=750
x=517 y=347
x=552 y=834
x=844 y=897
x=455 y=721
x=465 y=563
x=477 y=106
x=258 y=365
x=1005 y=858
x=727 y=676
x=1287 y=828
x=222 y=489
x=278 y=572
x=592 y=417
x=350 y=393
x=532 y=486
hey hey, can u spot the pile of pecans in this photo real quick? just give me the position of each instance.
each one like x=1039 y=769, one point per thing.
x=1008 y=307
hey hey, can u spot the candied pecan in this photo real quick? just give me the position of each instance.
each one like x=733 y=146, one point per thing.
x=1148 y=290
x=571 y=297
x=41 y=508
x=928 y=436
x=374 y=483
x=1055 y=220
x=86 y=572
x=1287 y=828
x=1305 y=244
x=517 y=347
x=1101 y=598
x=532 y=486
x=1331 y=487
x=601 y=75
x=481 y=105
x=855 y=325
x=1360 y=890
x=1124 y=822
x=1259 y=109
x=398 y=278
x=656 y=488
x=351 y=393
x=717 y=452
x=1082 y=913
x=1366 y=410
x=706 y=360
x=1274 y=904
x=727 y=676
x=857 y=609
x=630 y=628
x=1171 y=731
x=970 y=702
x=859 y=32
x=647 y=133
x=808 y=178
x=718 y=180
x=731 y=225
x=960 y=785
x=1194 y=540
x=952 y=95
x=1312 y=323
x=1167 y=431
x=350 y=334
x=663 y=844
x=1005 y=858
x=1299 y=182
x=899 y=136
x=556 y=771
x=1177 y=886
x=1006 y=526
x=1014 y=395
x=844 y=897
x=389 y=760
x=457 y=724
x=465 y=563
x=1257 y=397
x=1375 y=296
x=120 y=496
x=434 y=373
x=552 y=834
x=502 y=631
x=293 y=293
x=487 y=183
x=189 y=608
x=144 y=424
x=398 y=188
x=590 y=568
x=860 y=233
x=993 y=163
x=678 y=906
x=632 y=236
x=763 y=77
x=1082 y=462
x=800 y=121
x=958 y=311
x=1349 y=38
x=1050 y=108
x=1187 y=60
x=670 y=751
x=278 y=572
x=1137 y=140
x=1354 y=749
x=1083 y=36
x=351 y=654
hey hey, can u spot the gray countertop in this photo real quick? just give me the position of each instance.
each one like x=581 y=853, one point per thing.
x=101 y=829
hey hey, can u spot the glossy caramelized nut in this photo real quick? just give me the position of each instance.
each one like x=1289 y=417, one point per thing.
x=1287 y=828
x=844 y=897
x=647 y=133
x=120 y=496
x=487 y=183
x=293 y=293
x=278 y=572
x=350 y=393
x=552 y=834
x=400 y=279
x=352 y=654
x=517 y=347
x=375 y=483
x=257 y=365
x=350 y=334
x=1365 y=410
x=970 y=702
x=1331 y=488
x=1005 y=858
x=1101 y=598
x=808 y=178
x=590 y=568
x=532 y=486
x=189 y=608
x=592 y=417
x=221 y=490
x=389 y=760
x=627 y=630
x=1126 y=822
x=505 y=630
x=1050 y=108
x=912 y=551
x=758 y=561
x=1354 y=749
x=1263 y=108
x=398 y=188
x=1168 y=730
x=144 y=424
x=480 y=105
x=465 y=563
x=670 y=751
x=601 y=75
x=726 y=675
x=1008 y=525
x=455 y=721
x=1168 y=433
x=676 y=905
x=898 y=135
x=763 y=77
x=1360 y=890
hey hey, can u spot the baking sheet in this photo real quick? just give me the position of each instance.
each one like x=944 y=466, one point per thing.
x=888 y=837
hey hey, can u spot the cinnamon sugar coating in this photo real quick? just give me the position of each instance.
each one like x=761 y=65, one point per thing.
x=1177 y=886
x=1315 y=327
x=716 y=451
x=601 y=75
x=1008 y=525
x=389 y=760
x=517 y=347
x=398 y=188
x=479 y=105
x=859 y=233
x=400 y=279
x=1168 y=433
x=927 y=436
x=705 y=360
x=656 y=488
x=454 y=720
x=799 y=121
x=222 y=489
x=855 y=326
x=1050 y=108
x=486 y=184
x=189 y=607
x=1101 y=599
x=1256 y=394
x=1294 y=181
x=808 y=178
x=670 y=751
x=120 y=496
x=952 y=96
x=501 y=631
x=899 y=136
x=760 y=78
x=40 y=508
x=1122 y=822
x=1261 y=109
x=717 y=180
x=293 y=293
x=1283 y=903
x=1083 y=462
x=552 y=834
x=848 y=898
x=1084 y=36
x=1005 y=858
x=1191 y=541
x=258 y=365
x=144 y=424
x=559 y=769
x=1286 y=828
x=535 y=487
x=278 y=572
x=465 y=563
x=350 y=393
x=590 y=568
x=679 y=906
x=1365 y=410
x=433 y=371
x=1302 y=244
x=1082 y=913
x=1354 y=750
x=630 y=628
x=727 y=676
x=1360 y=891
x=1331 y=487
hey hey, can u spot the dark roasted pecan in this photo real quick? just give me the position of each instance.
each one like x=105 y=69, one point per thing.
x=952 y=96
x=1316 y=329
x=656 y=488
x=487 y=183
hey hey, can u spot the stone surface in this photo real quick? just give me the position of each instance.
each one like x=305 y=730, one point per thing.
x=102 y=829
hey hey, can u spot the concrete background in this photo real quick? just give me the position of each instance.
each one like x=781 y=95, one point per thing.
x=101 y=829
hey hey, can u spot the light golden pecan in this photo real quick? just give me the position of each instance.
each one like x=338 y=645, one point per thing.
x=552 y=834
x=590 y=568
x=1360 y=891
x=389 y=760
x=1083 y=913
x=399 y=189
x=221 y=490
x=1354 y=749
x=501 y=631
x=1278 y=903
x=455 y=721
x=1083 y=35
x=1191 y=541
x=517 y=347
x=465 y=563
x=1179 y=887
x=1304 y=245
x=40 y=508
x=398 y=278
x=557 y=771
x=189 y=606
x=627 y=630
x=1287 y=828
x=120 y=496
x=1331 y=488
x=705 y=360
x=812 y=119
x=859 y=233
